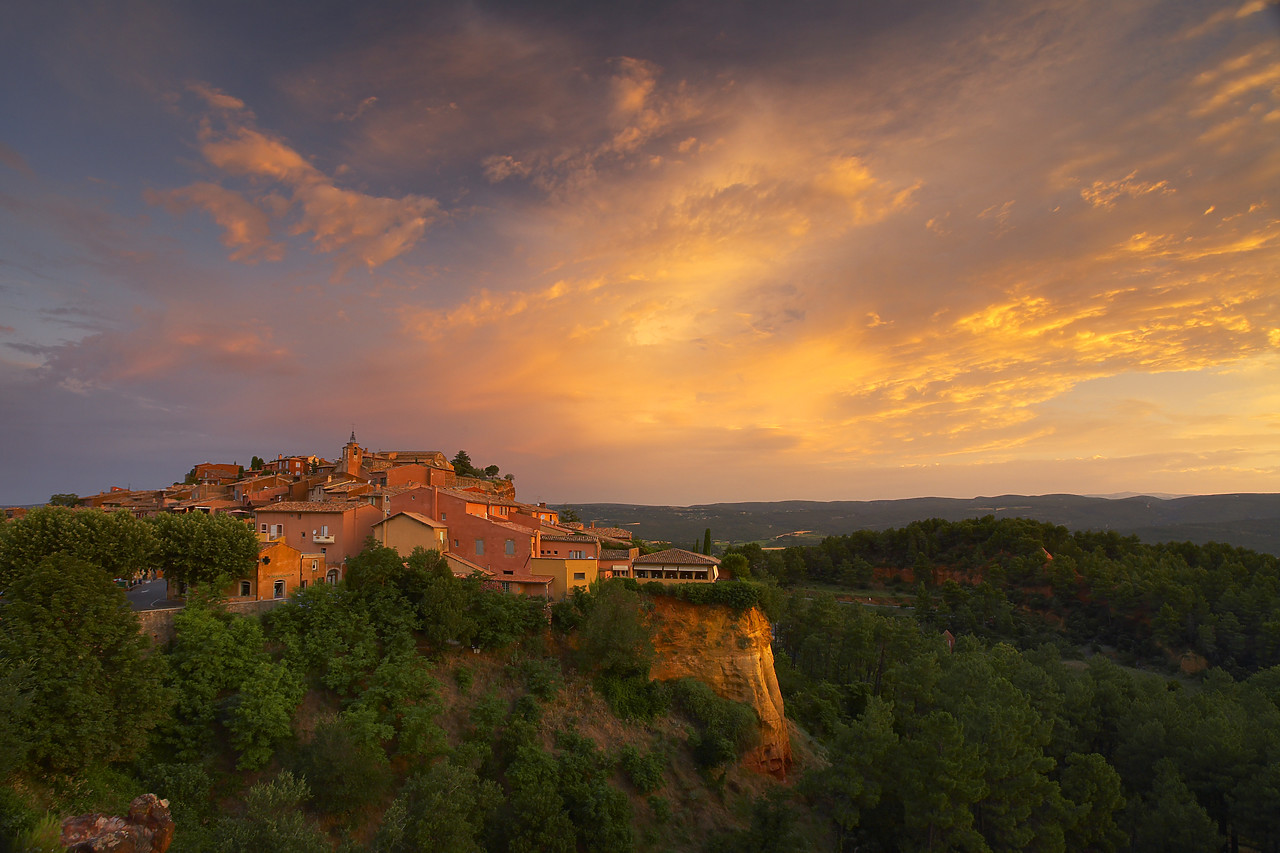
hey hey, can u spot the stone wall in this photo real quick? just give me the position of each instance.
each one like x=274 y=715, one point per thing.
x=158 y=624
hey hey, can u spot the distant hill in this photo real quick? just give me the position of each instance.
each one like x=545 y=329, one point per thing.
x=1244 y=520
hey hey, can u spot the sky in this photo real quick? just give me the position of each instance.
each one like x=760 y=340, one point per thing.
x=658 y=252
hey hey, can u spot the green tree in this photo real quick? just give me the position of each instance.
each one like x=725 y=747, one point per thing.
x=345 y=772
x=1169 y=818
x=212 y=656
x=860 y=770
x=1094 y=798
x=601 y=814
x=257 y=463
x=90 y=690
x=119 y=544
x=205 y=550
x=569 y=515
x=613 y=636
x=462 y=465
x=64 y=499
x=538 y=822
x=491 y=471
x=443 y=808
x=939 y=781
x=706 y=541
x=736 y=566
x=273 y=820
x=264 y=714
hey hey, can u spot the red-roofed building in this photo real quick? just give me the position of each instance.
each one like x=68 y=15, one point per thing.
x=676 y=564
x=217 y=472
x=337 y=529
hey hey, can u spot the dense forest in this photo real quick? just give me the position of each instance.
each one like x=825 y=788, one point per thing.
x=1020 y=687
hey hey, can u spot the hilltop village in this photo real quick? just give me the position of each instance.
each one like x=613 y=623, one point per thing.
x=311 y=515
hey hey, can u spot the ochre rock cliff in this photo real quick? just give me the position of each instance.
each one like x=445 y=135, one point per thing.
x=734 y=655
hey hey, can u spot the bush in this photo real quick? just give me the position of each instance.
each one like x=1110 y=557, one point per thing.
x=16 y=815
x=633 y=697
x=344 y=772
x=542 y=677
x=738 y=595
x=273 y=821
x=725 y=729
x=661 y=808
x=645 y=770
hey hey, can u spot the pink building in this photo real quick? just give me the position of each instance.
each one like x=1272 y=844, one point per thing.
x=478 y=527
x=337 y=529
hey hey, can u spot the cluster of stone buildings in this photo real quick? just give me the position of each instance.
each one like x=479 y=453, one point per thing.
x=312 y=515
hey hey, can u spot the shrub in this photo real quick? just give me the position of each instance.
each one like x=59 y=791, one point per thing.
x=645 y=770
x=542 y=677
x=344 y=771
x=661 y=808
x=725 y=729
x=633 y=697
x=738 y=595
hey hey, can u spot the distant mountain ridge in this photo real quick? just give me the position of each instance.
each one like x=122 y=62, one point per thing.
x=1244 y=520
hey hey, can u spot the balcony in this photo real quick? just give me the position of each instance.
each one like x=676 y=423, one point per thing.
x=323 y=539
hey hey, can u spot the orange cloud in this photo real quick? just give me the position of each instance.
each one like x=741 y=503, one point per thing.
x=357 y=227
x=247 y=228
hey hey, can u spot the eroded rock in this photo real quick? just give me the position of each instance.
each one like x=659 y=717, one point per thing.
x=734 y=655
x=148 y=829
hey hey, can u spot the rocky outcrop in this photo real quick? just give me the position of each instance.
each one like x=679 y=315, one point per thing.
x=147 y=829
x=734 y=655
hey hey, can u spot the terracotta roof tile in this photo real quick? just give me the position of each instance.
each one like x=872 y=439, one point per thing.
x=313 y=506
x=479 y=497
x=676 y=557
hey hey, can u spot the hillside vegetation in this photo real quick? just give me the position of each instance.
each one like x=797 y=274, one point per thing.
x=1101 y=694
x=1245 y=520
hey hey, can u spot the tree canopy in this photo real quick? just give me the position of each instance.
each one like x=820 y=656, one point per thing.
x=116 y=542
x=71 y=649
x=197 y=548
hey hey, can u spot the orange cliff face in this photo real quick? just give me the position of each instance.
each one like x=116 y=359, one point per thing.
x=732 y=654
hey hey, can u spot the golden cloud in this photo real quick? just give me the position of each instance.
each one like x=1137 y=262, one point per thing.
x=246 y=227
x=357 y=227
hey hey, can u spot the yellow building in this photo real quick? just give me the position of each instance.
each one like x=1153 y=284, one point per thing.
x=405 y=531
x=565 y=574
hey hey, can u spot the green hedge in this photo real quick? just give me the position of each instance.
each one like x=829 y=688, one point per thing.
x=737 y=595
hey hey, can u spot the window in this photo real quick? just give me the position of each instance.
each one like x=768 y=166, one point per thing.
x=579 y=576
x=278 y=591
x=332 y=577
x=246 y=589
x=577 y=555
x=444 y=516
x=324 y=530
x=314 y=566
x=264 y=527
x=506 y=586
x=511 y=547
x=302 y=585
x=508 y=572
x=479 y=547
x=455 y=543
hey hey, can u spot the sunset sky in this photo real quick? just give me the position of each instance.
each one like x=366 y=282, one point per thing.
x=650 y=252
